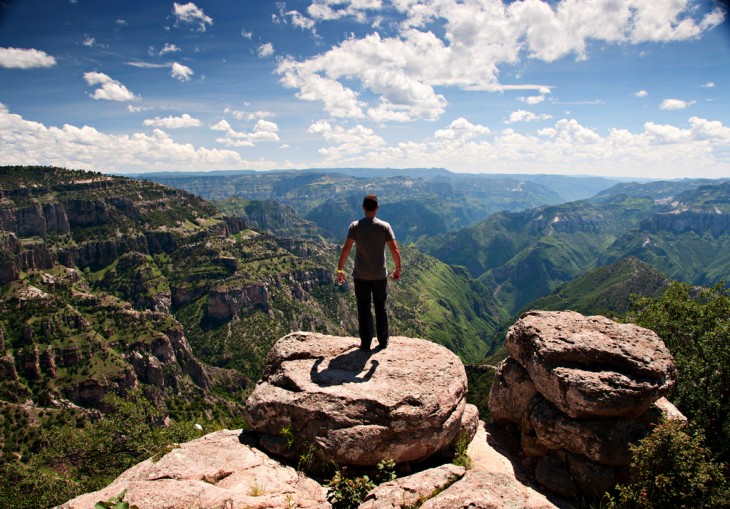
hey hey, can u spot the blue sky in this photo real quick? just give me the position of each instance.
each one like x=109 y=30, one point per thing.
x=637 y=88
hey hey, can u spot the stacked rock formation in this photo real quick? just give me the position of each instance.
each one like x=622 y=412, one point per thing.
x=405 y=403
x=581 y=390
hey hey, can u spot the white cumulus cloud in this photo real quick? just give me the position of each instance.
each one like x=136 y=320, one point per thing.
x=346 y=142
x=401 y=72
x=526 y=116
x=675 y=104
x=336 y=9
x=263 y=130
x=169 y=48
x=266 y=50
x=110 y=89
x=28 y=142
x=248 y=115
x=17 y=58
x=191 y=14
x=223 y=125
x=461 y=129
x=181 y=72
x=567 y=147
x=171 y=122
x=300 y=21
x=532 y=99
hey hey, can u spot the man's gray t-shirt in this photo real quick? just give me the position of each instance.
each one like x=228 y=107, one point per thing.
x=370 y=236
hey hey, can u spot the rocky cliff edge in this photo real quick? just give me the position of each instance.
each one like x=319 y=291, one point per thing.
x=405 y=402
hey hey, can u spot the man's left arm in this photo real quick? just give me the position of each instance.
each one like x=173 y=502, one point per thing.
x=395 y=253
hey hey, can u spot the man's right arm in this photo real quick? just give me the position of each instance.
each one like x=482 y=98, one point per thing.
x=343 y=259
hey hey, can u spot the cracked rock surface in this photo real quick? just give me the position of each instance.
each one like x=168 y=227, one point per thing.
x=216 y=470
x=405 y=402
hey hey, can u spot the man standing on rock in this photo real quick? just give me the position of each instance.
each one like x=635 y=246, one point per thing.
x=370 y=274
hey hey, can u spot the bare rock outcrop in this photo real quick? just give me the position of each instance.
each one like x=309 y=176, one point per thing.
x=405 y=402
x=590 y=366
x=224 y=303
x=491 y=482
x=411 y=490
x=216 y=470
x=581 y=390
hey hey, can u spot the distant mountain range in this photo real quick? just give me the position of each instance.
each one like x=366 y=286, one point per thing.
x=525 y=255
x=417 y=202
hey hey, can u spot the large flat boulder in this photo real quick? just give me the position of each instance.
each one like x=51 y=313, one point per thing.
x=216 y=470
x=590 y=365
x=405 y=402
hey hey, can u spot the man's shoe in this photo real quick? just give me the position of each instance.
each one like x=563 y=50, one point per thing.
x=364 y=348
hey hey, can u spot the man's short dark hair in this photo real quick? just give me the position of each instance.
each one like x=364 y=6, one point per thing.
x=370 y=202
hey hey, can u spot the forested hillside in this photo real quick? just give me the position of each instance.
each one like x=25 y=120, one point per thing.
x=525 y=255
x=522 y=256
x=688 y=241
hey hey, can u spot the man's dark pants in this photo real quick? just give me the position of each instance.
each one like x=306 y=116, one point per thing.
x=378 y=289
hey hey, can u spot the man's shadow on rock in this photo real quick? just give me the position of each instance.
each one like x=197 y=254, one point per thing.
x=343 y=369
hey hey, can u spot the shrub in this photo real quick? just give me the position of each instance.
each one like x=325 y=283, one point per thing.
x=695 y=325
x=672 y=468
x=344 y=492
x=461 y=455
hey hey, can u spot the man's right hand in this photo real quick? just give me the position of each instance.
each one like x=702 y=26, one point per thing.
x=340 y=278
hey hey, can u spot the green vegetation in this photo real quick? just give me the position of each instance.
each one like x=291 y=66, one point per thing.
x=672 y=468
x=480 y=379
x=521 y=256
x=110 y=283
x=346 y=492
x=75 y=458
x=700 y=258
x=461 y=456
x=606 y=290
x=695 y=325
x=152 y=282
x=444 y=305
x=279 y=220
x=115 y=503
